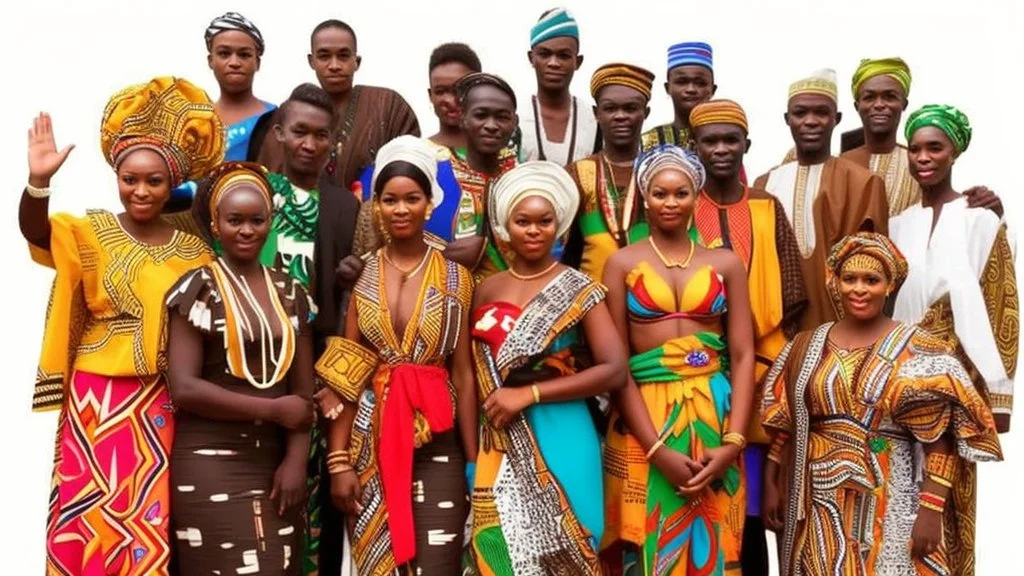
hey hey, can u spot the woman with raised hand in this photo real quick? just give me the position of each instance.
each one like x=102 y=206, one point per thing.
x=103 y=352
x=675 y=496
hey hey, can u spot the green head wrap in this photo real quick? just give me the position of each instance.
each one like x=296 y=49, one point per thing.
x=946 y=118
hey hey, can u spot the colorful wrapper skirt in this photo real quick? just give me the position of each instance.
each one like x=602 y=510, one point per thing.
x=649 y=528
x=109 y=500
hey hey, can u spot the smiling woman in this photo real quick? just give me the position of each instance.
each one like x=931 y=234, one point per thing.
x=104 y=327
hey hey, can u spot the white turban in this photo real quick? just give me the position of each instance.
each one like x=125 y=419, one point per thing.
x=415 y=151
x=541 y=178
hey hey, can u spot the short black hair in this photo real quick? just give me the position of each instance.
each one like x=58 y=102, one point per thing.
x=332 y=23
x=311 y=94
x=403 y=168
x=467 y=83
x=455 y=52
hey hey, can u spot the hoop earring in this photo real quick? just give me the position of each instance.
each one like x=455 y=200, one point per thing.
x=379 y=221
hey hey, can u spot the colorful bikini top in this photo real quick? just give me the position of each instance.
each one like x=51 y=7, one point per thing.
x=650 y=298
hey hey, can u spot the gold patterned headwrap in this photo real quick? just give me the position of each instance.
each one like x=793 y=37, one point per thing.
x=626 y=75
x=170 y=116
x=868 y=251
x=720 y=111
x=225 y=178
x=895 y=68
x=821 y=82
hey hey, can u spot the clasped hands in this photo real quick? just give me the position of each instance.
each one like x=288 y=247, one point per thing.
x=690 y=476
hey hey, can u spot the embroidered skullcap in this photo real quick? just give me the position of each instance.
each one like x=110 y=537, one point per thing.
x=234 y=21
x=170 y=116
x=690 y=53
x=895 y=68
x=537 y=178
x=720 y=111
x=821 y=82
x=946 y=118
x=868 y=251
x=415 y=151
x=555 y=23
x=619 y=74
x=668 y=156
x=470 y=81
x=223 y=179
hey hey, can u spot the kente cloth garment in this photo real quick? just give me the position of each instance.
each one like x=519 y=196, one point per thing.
x=237 y=150
x=825 y=203
x=222 y=515
x=844 y=425
x=672 y=134
x=104 y=338
x=404 y=400
x=471 y=215
x=895 y=68
x=582 y=135
x=170 y=116
x=962 y=289
x=755 y=228
x=685 y=390
x=537 y=498
x=608 y=193
x=900 y=187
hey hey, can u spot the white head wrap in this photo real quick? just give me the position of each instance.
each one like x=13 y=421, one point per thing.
x=415 y=151
x=538 y=178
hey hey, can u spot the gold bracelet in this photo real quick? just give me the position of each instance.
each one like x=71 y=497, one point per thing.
x=339 y=469
x=654 y=448
x=940 y=480
x=735 y=438
x=536 y=393
x=931 y=506
x=339 y=457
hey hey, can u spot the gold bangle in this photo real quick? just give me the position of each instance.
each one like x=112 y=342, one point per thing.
x=339 y=457
x=735 y=438
x=940 y=480
x=339 y=469
x=931 y=506
x=536 y=393
x=654 y=448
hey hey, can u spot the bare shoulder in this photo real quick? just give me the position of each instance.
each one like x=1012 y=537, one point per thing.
x=725 y=260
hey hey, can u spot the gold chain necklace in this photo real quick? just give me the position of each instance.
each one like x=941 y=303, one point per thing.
x=668 y=263
x=407 y=274
x=519 y=276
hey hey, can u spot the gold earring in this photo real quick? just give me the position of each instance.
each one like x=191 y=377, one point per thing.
x=384 y=234
x=430 y=210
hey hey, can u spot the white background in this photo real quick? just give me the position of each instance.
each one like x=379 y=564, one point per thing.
x=68 y=57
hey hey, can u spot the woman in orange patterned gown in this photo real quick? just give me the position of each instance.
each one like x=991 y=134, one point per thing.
x=103 y=354
x=845 y=405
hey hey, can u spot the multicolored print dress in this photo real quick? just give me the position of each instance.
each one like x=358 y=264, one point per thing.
x=537 y=492
x=843 y=426
x=684 y=385
x=101 y=365
x=404 y=446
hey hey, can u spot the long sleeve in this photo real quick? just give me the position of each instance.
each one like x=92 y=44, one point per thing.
x=776 y=416
x=794 y=293
x=999 y=287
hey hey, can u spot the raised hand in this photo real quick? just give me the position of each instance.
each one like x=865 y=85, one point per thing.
x=43 y=157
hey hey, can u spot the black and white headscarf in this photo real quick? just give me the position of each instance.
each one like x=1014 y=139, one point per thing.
x=234 y=21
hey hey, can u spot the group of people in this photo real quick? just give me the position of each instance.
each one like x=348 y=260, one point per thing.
x=548 y=343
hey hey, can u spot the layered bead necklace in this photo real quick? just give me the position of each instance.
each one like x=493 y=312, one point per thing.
x=238 y=328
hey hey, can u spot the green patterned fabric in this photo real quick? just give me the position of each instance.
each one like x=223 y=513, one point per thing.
x=295 y=223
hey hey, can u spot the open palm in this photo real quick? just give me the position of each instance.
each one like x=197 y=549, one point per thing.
x=43 y=157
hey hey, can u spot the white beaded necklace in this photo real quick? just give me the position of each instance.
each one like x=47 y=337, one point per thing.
x=277 y=357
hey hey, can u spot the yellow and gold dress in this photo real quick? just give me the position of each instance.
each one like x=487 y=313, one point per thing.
x=843 y=426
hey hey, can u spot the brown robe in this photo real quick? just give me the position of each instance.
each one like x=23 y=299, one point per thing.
x=850 y=199
x=374 y=117
x=902 y=190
